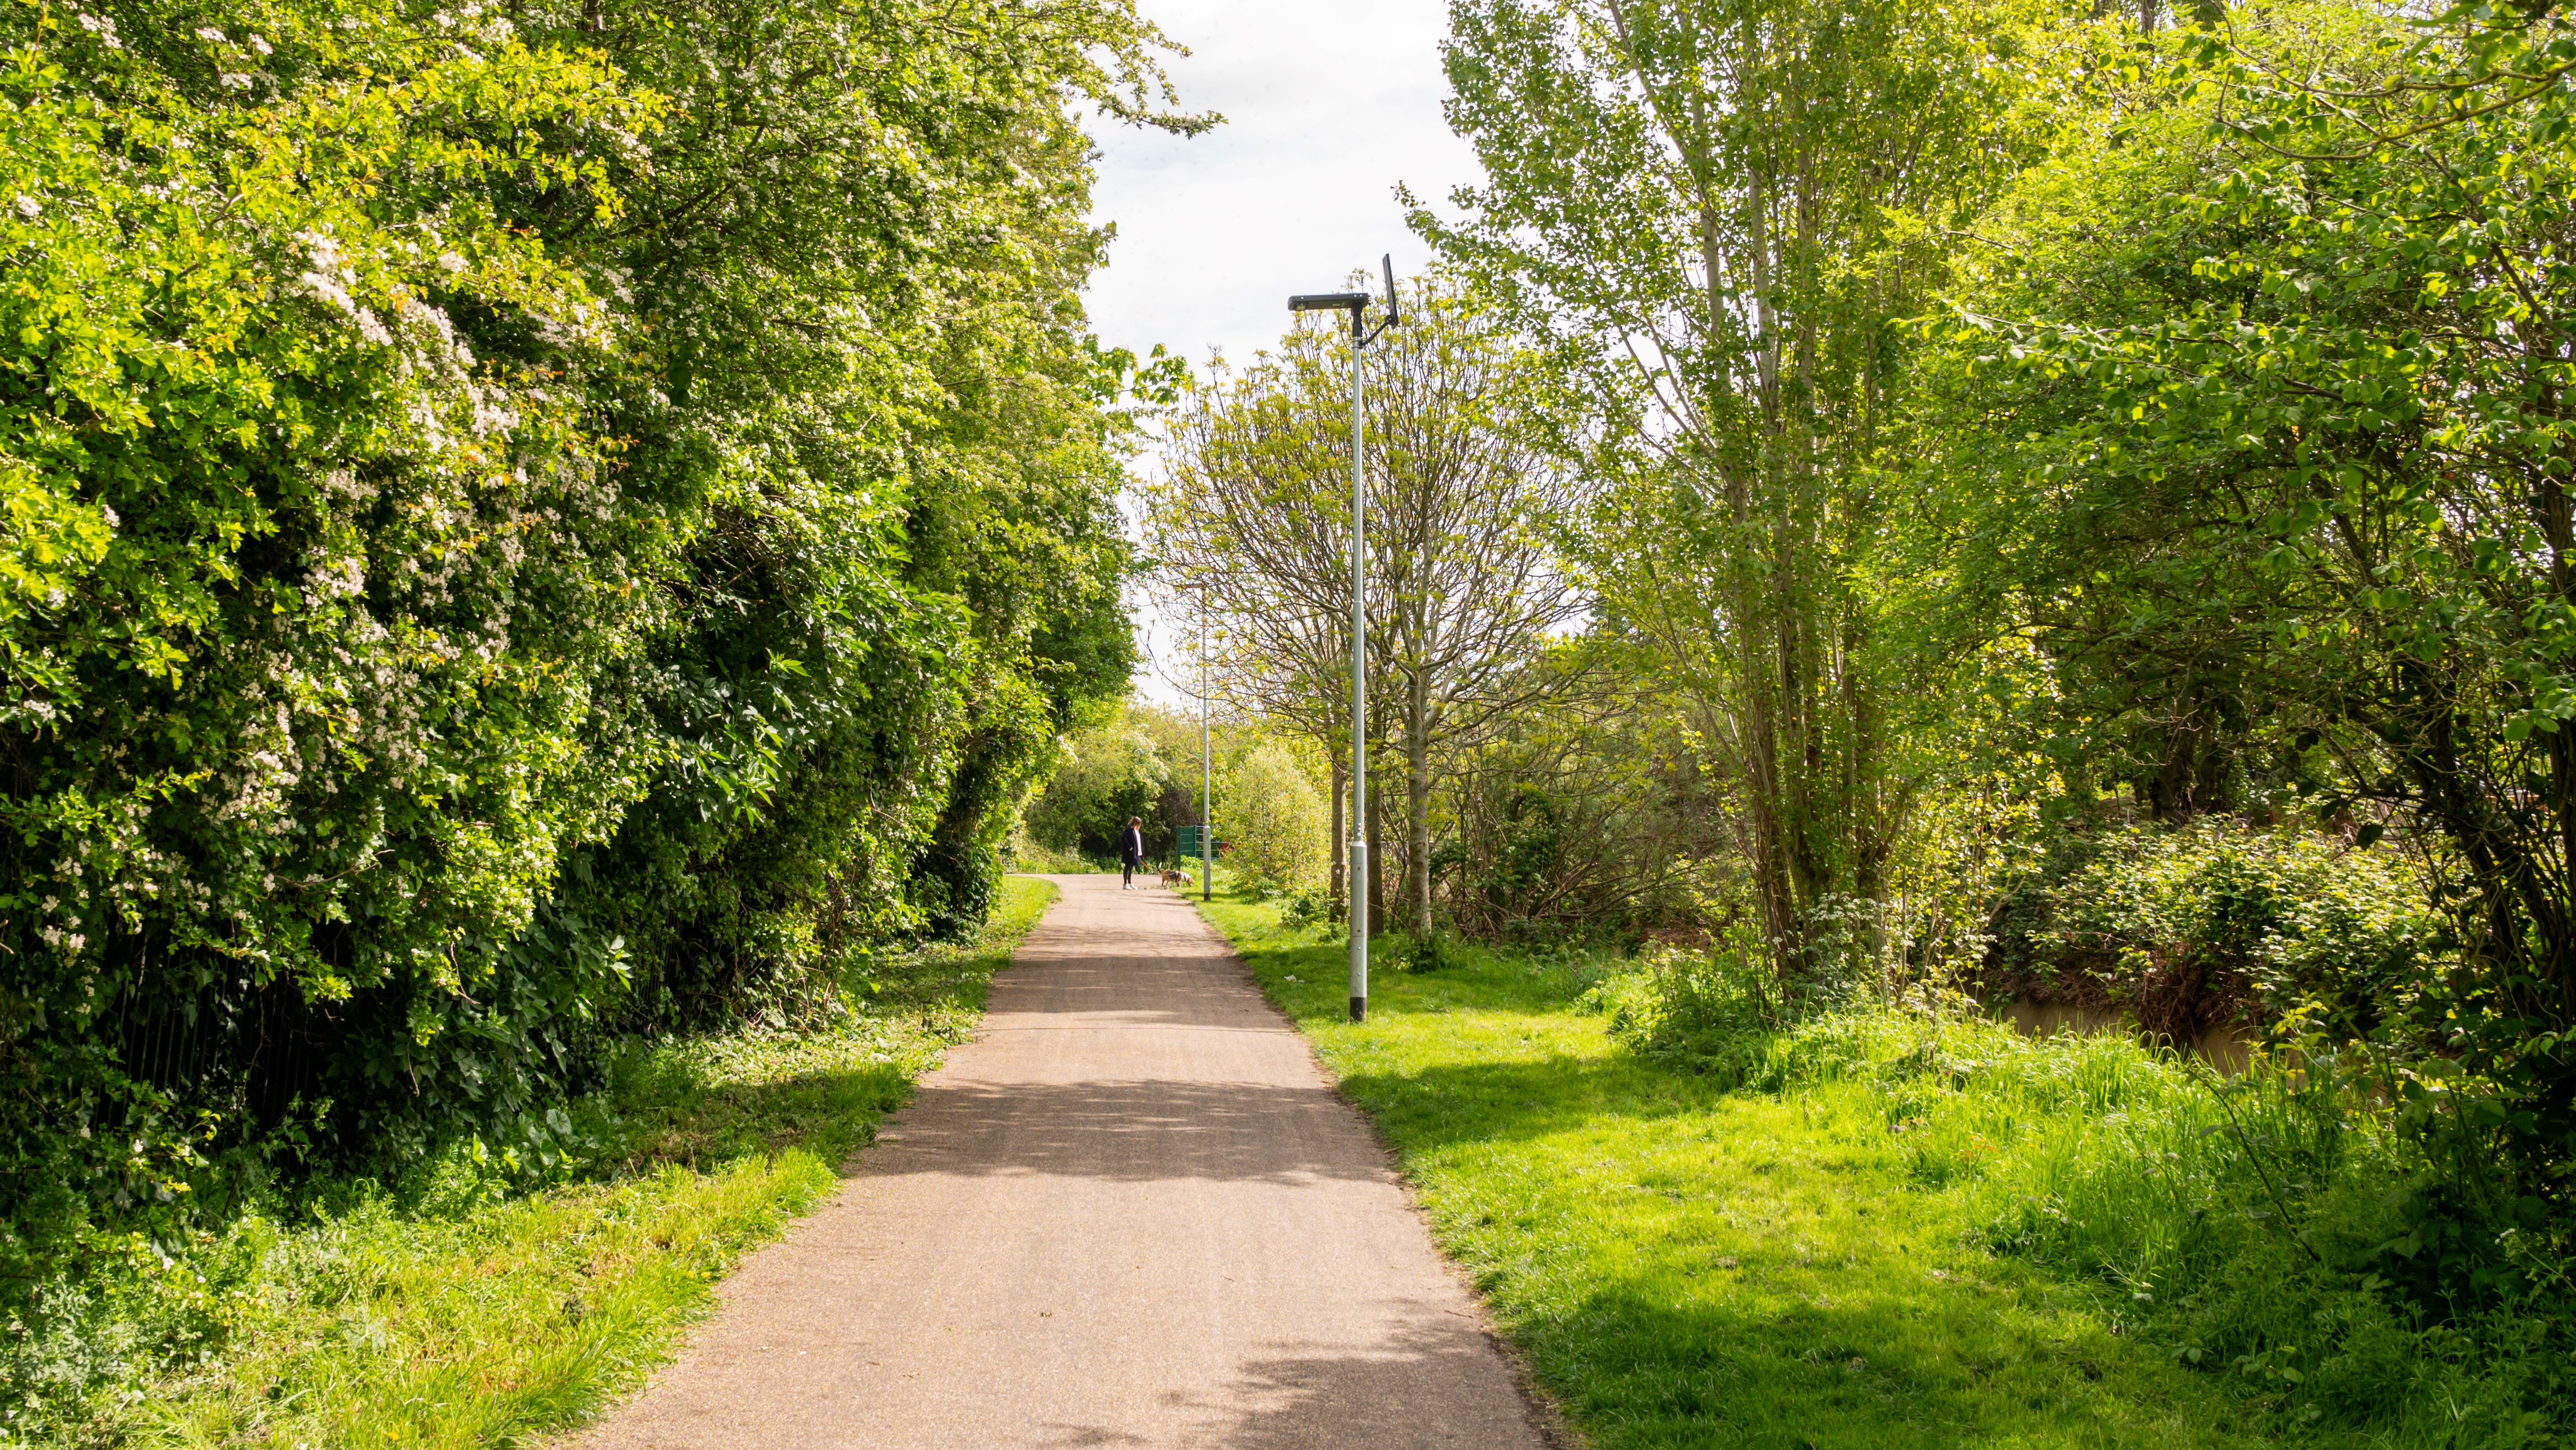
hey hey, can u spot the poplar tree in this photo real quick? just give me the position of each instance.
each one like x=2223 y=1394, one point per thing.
x=1716 y=215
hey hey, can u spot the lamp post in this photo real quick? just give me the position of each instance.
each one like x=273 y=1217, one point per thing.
x=1356 y=304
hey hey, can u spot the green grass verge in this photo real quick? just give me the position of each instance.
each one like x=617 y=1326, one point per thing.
x=1687 y=1266
x=475 y=1315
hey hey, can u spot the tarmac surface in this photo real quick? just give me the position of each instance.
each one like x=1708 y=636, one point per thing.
x=1129 y=1212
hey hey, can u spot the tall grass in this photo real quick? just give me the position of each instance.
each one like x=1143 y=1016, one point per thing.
x=2278 y=1227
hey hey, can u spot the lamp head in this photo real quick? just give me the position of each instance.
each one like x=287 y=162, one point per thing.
x=1329 y=302
x=1394 y=314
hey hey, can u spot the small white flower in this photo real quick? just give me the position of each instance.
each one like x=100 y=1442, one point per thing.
x=211 y=35
x=327 y=290
x=28 y=206
x=259 y=44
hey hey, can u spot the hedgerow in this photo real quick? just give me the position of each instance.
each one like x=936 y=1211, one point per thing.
x=517 y=527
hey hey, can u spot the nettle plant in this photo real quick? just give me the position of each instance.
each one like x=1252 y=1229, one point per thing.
x=306 y=561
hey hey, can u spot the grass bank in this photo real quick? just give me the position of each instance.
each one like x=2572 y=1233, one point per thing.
x=463 y=1310
x=1689 y=1265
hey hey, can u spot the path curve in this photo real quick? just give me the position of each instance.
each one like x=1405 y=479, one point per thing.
x=1129 y=1212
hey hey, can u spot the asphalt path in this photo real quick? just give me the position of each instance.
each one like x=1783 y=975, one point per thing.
x=1129 y=1212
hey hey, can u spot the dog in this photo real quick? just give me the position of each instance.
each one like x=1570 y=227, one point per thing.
x=1176 y=878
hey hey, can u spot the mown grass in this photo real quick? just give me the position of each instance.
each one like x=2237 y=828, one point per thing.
x=1688 y=1265
x=464 y=1312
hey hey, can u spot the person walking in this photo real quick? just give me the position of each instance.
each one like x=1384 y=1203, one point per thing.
x=1131 y=852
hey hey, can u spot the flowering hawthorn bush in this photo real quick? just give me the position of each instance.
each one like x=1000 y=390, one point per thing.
x=514 y=528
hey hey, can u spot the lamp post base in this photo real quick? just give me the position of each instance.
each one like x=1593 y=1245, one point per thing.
x=1359 y=1009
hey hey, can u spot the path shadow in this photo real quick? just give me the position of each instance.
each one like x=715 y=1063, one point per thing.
x=1080 y=1437
x=1501 y=1102
x=1126 y=1131
x=1437 y=1384
x=1089 y=990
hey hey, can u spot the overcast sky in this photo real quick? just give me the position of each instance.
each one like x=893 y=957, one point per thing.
x=1328 y=104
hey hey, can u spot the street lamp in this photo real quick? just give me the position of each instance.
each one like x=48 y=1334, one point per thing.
x=1356 y=304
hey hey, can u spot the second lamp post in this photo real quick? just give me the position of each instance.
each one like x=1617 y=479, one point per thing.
x=1357 y=305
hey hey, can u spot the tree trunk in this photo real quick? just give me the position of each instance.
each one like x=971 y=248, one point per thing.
x=1766 y=667
x=1376 y=861
x=1417 y=803
x=1341 y=840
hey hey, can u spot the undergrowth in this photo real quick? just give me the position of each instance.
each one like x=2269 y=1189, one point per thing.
x=465 y=1303
x=1913 y=1226
x=2292 y=1228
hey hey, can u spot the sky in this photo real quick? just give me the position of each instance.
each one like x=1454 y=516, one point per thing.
x=1328 y=105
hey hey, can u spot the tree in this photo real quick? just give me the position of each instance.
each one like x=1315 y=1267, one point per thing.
x=2299 y=395
x=1243 y=532
x=1254 y=508
x=1272 y=819
x=1716 y=217
x=496 y=508
x=1110 y=773
x=1473 y=593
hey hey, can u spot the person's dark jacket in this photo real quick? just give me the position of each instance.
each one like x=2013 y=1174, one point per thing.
x=1131 y=846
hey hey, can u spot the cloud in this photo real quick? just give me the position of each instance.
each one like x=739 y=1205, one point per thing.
x=1329 y=105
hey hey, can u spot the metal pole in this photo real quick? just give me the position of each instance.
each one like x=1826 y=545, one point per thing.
x=1359 y=691
x=1207 y=785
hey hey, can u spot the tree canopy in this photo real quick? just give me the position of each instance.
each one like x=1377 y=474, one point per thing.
x=521 y=524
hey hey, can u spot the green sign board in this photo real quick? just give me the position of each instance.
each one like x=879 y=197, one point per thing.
x=1189 y=842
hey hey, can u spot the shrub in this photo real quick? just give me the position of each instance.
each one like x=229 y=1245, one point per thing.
x=1583 y=822
x=1437 y=952
x=1309 y=907
x=310 y=575
x=1273 y=820
x=1710 y=1010
x=446 y=622
x=2212 y=923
